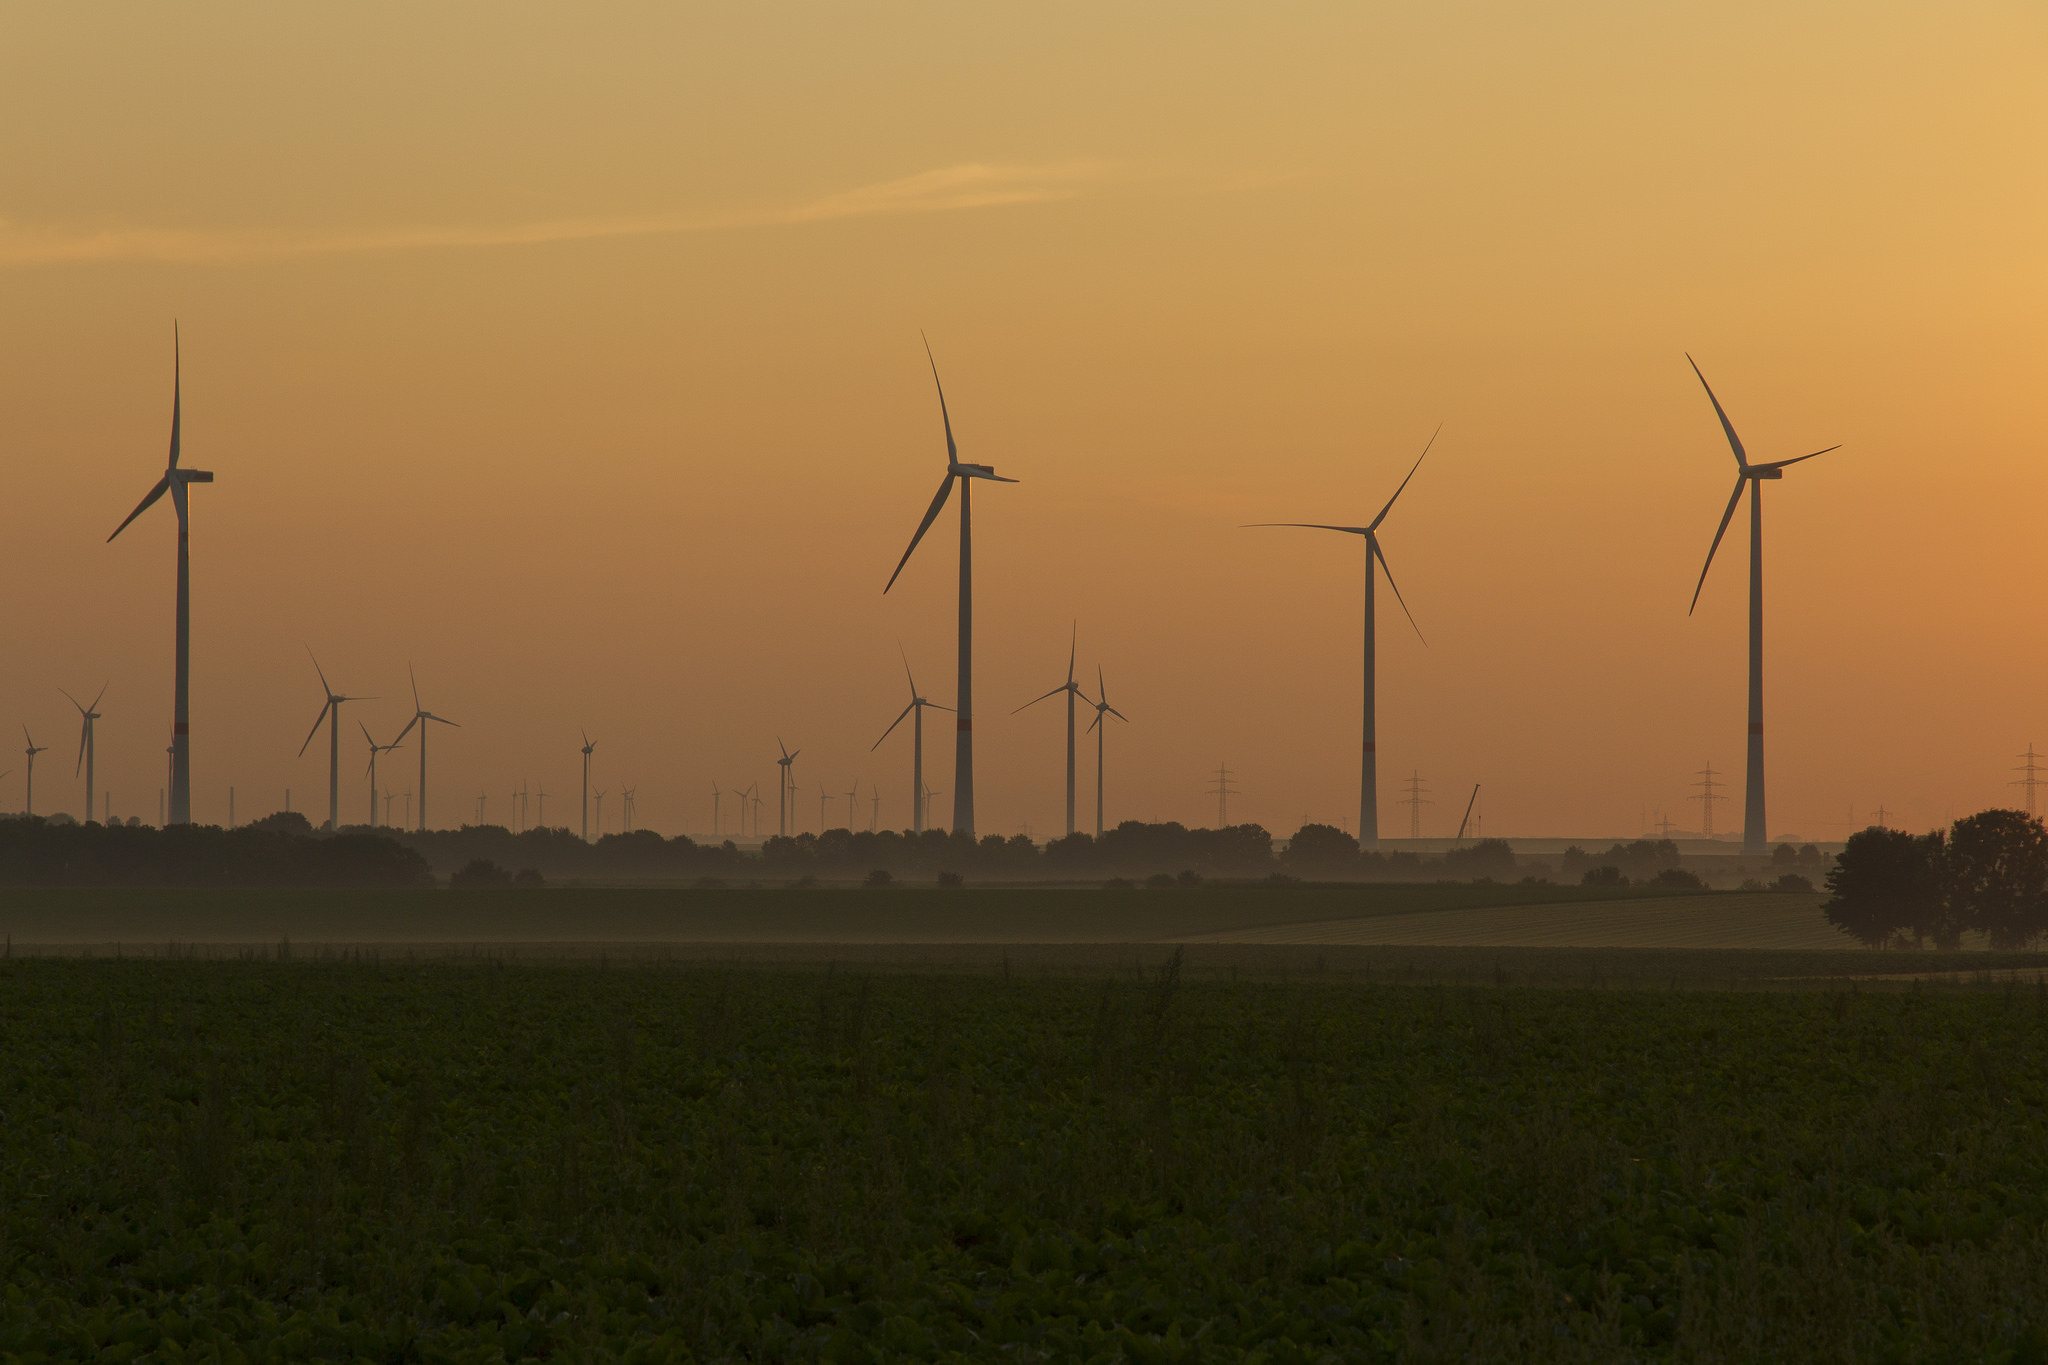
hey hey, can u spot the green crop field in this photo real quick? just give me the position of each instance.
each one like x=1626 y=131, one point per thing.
x=292 y=1160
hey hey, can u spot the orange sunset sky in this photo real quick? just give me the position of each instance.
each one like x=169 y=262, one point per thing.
x=571 y=353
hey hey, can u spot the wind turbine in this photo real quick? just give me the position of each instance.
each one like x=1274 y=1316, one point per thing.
x=1748 y=476
x=1368 y=764
x=1102 y=709
x=851 y=797
x=331 y=713
x=963 y=745
x=626 y=803
x=175 y=482
x=715 y=795
x=375 y=749
x=29 y=801
x=785 y=796
x=588 y=749
x=1073 y=690
x=823 y=797
x=87 y=715
x=917 y=704
x=420 y=717
x=600 y=813
x=540 y=808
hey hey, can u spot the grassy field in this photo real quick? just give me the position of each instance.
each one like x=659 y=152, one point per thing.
x=293 y=1160
x=1722 y=921
x=140 y=918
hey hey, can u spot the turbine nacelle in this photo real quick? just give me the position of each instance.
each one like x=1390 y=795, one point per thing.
x=976 y=471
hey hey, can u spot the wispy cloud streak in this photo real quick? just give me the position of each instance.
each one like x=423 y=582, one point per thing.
x=947 y=190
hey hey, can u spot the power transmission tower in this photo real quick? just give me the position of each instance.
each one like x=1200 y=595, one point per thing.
x=1415 y=801
x=1707 y=797
x=2032 y=778
x=1664 y=825
x=1880 y=818
x=1223 y=791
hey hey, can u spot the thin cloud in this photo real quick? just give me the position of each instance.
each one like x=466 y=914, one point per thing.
x=947 y=190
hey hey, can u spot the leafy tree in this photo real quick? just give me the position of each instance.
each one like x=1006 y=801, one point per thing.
x=1678 y=877
x=1998 y=875
x=1321 y=851
x=1887 y=884
x=1603 y=876
x=480 y=873
x=1487 y=858
x=1792 y=881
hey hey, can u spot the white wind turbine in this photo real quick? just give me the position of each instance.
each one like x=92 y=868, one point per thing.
x=785 y=798
x=588 y=749
x=29 y=800
x=964 y=474
x=330 y=712
x=175 y=482
x=1073 y=690
x=1102 y=710
x=1368 y=766
x=1755 y=838
x=375 y=749
x=917 y=706
x=420 y=716
x=86 y=744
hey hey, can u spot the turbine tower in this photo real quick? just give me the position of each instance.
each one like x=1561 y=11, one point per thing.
x=420 y=716
x=1102 y=709
x=917 y=704
x=1755 y=838
x=963 y=745
x=588 y=749
x=331 y=713
x=1368 y=763
x=87 y=715
x=375 y=749
x=785 y=795
x=175 y=482
x=29 y=801
x=1073 y=690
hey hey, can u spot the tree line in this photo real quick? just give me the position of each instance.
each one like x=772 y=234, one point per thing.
x=1988 y=872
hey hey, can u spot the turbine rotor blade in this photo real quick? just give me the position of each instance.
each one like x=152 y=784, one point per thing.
x=1035 y=700
x=1073 y=645
x=1782 y=464
x=1373 y=547
x=1307 y=525
x=162 y=486
x=1734 y=441
x=316 y=726
x=177 y=399
x=406 y=731
x=1726 y=517
x=1127 y=720
x=952 y=453
x=1404 y=483
x=325 y=686
x=415 y=686
x=892 y=727
x=931 y=515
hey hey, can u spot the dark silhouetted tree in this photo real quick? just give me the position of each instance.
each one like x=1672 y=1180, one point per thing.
x=1887 y=884
x=1998 y=875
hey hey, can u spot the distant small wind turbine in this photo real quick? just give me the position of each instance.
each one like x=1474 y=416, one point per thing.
x=86 y=745
x=375 y=749
x=29 y=799
x=851 y=797
x=588 y=749
x=917 y=704
x=964 y=474
x=628 y=799
x=785 y=798
x=330 y=711
x=1748 y=476
x=1368 y=768
x=823 y=797
x=1102 y=709
x=599 y=794
x=716 y=794
x=420 y=716
x=175 y=482
x=1073 y=690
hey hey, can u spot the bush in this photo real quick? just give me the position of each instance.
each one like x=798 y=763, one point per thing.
x=1189 y=878
x=950 y=879
x=1792 y=881
x=1679 y=877
x=1603 y=876
x=1119 y=884
x=879 y=878
x=1321 y=851
x=1487 y=858
x=529 y=876
x=479 y=874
